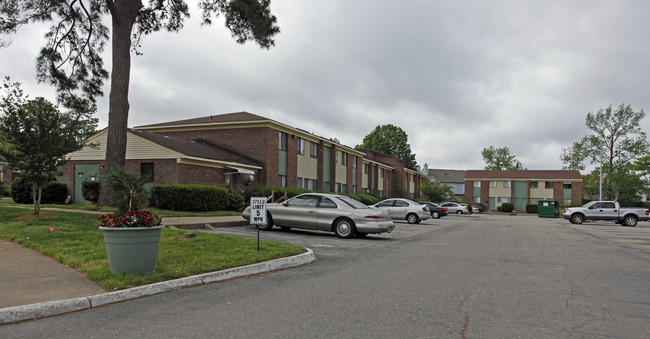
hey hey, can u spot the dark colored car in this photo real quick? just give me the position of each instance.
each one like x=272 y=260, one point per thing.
x=436 y=210
x=478 y=208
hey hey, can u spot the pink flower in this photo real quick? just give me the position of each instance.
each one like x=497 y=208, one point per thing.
x=51 y=229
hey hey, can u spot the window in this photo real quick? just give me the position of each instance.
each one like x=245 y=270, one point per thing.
x=608 y=204
x=477 y=184
x=310 y=184
x=506 y=184
x=566 y=185
x=477 y=199
x=401 y=203
x=366 y=168
x=386 y=203
x=337 y=188
x=146 y=169
x=301 y=146
x=299 y=182
x=283 y=141
x=548 y=185
x=493 y=184
x=344 y=159
x=344 y=188
x=326 y=203
x=503 y=199
x=282 y=180
x=313 y=149
x=307 y=201
x=533 y=184
x=354 y=161
x=381 y=173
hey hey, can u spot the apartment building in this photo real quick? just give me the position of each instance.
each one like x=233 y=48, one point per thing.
x=521 y=187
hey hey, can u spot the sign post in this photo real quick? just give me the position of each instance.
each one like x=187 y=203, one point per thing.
x=258 y=215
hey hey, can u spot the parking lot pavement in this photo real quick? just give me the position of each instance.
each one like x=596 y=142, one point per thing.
x=637 y=237
x=327 y=244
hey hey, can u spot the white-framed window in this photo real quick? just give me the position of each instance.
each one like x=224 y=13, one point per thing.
x=533 y=184
x=282 y=180
x=299 y=182
x=282 y=141
x=344 y=188
x=477 y=184
x=548 y=185
x=566 y=185
x=354 y=161
x=506 y=184
x=310 y=184
x=503 y=199
x=344 y=159
x=477 y=199
x=301 y=146
x=366 y=168
x=493 y=184
x=337 y=188
x=381 y=173
x=313 y=149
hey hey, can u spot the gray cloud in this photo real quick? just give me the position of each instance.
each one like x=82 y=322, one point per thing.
x=456 y=76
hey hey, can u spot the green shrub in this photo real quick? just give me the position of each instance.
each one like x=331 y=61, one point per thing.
x=21 y=191
x=199 y=198
x=54 y=193
x=4 y=188
x=90 y=190
x=507 y=207
x=532 y=208
x=367 y=199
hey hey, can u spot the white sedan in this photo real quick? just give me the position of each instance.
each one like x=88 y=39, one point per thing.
x=404 y=209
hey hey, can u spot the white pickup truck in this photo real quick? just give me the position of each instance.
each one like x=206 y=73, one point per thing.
x=606 y=210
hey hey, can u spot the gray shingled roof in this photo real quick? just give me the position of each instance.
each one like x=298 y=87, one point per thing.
x=447 y=175
x=198 y=148
x=211 y=119
x=523 y=174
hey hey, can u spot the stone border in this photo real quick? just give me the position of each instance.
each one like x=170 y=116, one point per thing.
x=46 y=309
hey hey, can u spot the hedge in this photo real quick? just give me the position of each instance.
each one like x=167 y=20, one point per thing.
x=52 y=193
x=532 y=208
x=198 y=198
x=507 y=207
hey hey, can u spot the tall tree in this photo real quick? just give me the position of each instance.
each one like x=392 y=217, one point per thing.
x=391 y=140
x=35 y=136
x=500 y=159
x=614 y=144
x=71 y=59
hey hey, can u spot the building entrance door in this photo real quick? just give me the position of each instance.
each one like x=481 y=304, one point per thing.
x=84 y=172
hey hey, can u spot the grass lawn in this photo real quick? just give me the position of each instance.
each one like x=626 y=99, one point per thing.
x=91 y=207
x=73 y=239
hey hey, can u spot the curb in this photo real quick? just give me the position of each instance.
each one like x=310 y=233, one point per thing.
x=46 y=309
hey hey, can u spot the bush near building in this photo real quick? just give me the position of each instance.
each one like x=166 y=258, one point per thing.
x=53 y=192
x=200 y=198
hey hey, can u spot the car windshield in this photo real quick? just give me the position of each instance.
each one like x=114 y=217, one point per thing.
x=351 y=202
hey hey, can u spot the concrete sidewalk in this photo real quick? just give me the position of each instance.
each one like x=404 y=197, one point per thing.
x=34 y=286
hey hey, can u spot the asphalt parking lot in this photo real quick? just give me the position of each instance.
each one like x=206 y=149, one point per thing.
x=327 y=244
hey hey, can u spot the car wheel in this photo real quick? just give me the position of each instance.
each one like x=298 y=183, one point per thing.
x=412 y=218
x=577 y=219
x=344 y=228
x=459 y=212
x=269 y=223
x=629 y=220
x=435 y=215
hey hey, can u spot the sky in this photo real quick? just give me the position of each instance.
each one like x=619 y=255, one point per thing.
x=456 y=76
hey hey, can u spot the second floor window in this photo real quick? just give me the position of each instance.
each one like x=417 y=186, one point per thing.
x=283 y=141
x=313 y=149
x=533 y=184
x=301 y=146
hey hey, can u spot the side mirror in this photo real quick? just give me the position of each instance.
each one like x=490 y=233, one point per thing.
x=285 y=204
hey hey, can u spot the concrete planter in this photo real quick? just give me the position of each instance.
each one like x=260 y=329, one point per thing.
x=132 y=250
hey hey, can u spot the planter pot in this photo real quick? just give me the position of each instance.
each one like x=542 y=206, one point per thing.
x=132 y=250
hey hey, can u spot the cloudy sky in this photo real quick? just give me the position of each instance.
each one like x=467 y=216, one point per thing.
x=457 y=76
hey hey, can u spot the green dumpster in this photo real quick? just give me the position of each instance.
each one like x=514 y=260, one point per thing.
x=548 y=209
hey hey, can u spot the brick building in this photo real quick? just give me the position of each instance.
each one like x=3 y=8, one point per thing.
x=238 y=149
x=522 y=187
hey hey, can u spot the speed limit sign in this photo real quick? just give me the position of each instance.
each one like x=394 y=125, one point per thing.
x=258 y=211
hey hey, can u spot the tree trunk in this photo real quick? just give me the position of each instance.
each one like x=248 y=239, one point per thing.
x=123 y=16
x=36 y=195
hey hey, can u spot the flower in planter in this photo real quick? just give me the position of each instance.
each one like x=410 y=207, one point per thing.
x=130 y=219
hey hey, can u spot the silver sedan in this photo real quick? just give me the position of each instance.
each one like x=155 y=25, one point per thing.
x=340 y=214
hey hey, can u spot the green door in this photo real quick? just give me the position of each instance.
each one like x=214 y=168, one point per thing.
x=520 y=197
x=492 y=204
x=84 y=172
